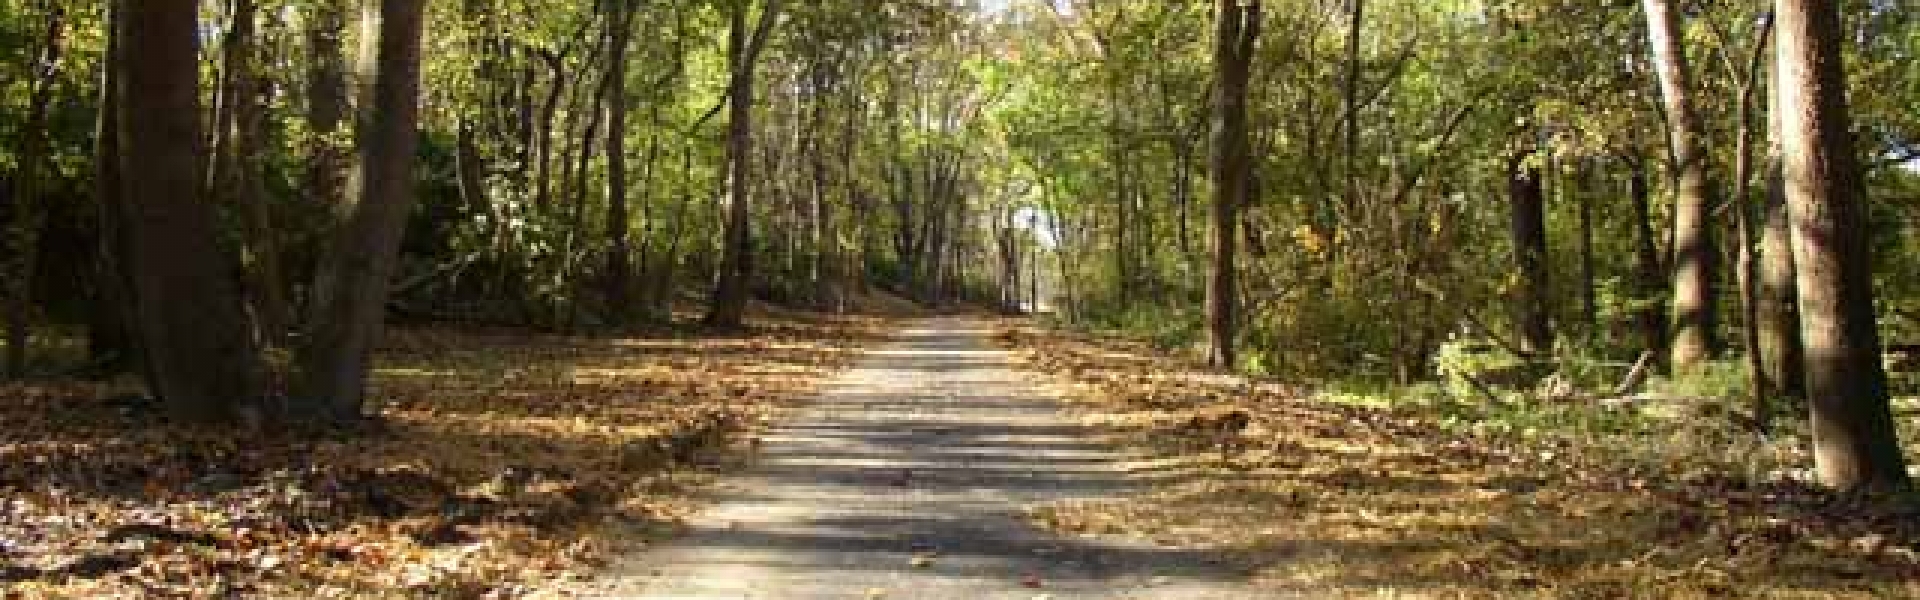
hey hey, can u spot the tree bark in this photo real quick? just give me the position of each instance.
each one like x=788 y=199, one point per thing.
x=1526 y=195
x=327 y=102
x=1746 y=261
x=1854 y=442
x=201 y=360
x=235 y=181
x=731 y=285
x=1696 y=263
x=619 y=267
x=350 y=291
x=1776 y=303
x=1237 y=31
x=110 y=336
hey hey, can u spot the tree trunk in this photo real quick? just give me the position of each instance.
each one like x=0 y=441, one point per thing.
x=1527 y=196
x=1747 y=264
x=619 y=267
x=731 y=285
x=1696 y=268
x=110 y=335
x=201 y=360
x=327 y=101
x=1237 y=30
x=1854 y=442
x=1776 y=303
x=350 y=291
x=235 y=181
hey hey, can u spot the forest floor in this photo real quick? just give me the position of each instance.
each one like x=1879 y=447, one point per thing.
x=805 y=452
x=1310 y=491
x=501 y=460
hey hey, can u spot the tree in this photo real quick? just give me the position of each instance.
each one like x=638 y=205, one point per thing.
x=234 y=176
x=1237 y=31
x=732 y=283
x=1696 y=264
x=350 y=291
x=1854 y=443
x=201 y=359
x=326 y=96
x=1526 y=193
x=619 y=267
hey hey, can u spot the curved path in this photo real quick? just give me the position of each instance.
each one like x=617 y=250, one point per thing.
x=907 y=478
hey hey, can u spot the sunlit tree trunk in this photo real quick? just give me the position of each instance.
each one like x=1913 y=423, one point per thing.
x=1854 y=443
x=1696 y=263
x=1776 y=303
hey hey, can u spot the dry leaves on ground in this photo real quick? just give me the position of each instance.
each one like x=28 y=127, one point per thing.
x=501 y=460
x=1339 y=500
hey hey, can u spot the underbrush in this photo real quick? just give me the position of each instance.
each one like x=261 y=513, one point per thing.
x=499 y=461
x=1436 y=491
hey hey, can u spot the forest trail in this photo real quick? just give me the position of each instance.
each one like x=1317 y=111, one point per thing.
x=907 y=478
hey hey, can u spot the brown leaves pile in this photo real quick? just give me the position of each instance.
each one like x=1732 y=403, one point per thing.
x=1336 y=500
x=502 y=460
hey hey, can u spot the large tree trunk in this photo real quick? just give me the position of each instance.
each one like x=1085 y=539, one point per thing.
x=731 y=285
x=1695 y=268
x=1526 y=194
x=350 y=291
x=1237 y=30
x=1854 y=443
x=201 y=359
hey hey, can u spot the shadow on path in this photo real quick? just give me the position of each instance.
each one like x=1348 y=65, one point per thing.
x=908 y=477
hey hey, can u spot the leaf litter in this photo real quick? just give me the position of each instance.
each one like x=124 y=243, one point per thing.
x=1337 y=500
x=501 y=461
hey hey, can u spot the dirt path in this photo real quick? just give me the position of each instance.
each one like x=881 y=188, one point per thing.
x=907 y=479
